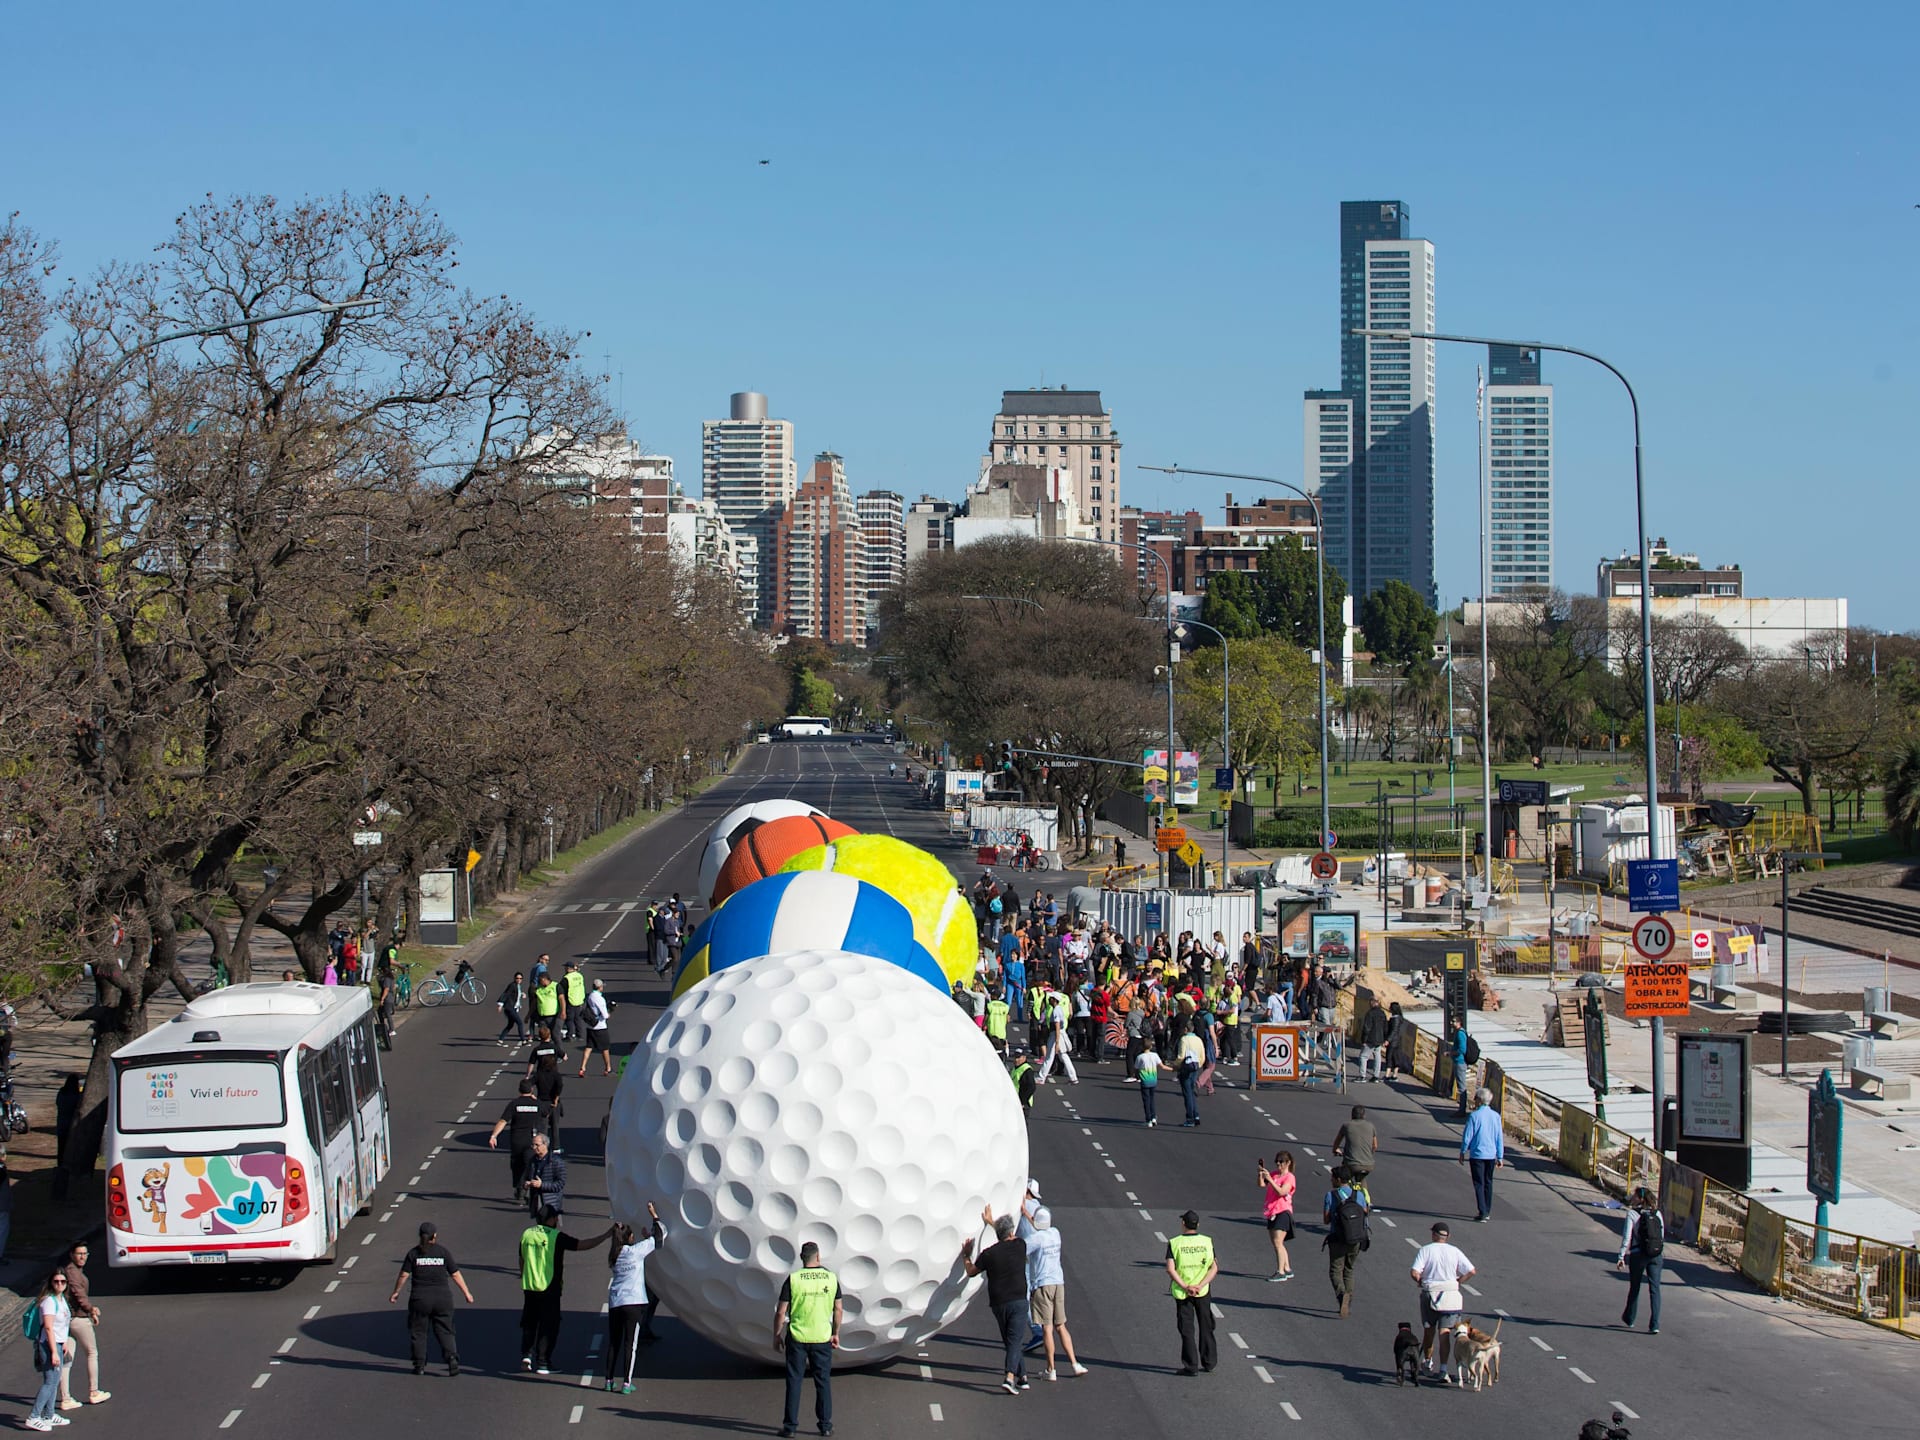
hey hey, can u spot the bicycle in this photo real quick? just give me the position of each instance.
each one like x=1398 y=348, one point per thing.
x=437 y=990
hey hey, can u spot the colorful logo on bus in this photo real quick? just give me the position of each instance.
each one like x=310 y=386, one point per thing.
x=225 y=1194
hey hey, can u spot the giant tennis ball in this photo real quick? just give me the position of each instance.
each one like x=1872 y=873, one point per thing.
x=941 y=916
x=810 y=910
x=767 y=847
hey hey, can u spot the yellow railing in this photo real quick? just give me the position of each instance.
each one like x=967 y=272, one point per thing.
x=1868 y=1279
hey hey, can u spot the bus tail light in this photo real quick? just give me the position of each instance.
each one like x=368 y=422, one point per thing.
x=297 y=1207
x=118 y=1215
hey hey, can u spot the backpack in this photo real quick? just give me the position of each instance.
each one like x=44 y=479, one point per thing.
x=1650 y=1233
x=1350 y=1223
x=31 y=1321
x=536 y=1258
x=1473 y=1051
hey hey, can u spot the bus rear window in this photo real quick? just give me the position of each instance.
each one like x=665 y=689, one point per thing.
x=201 y=1095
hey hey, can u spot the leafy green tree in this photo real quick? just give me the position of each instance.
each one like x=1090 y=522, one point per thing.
x=1712 y=744
x=1232 y=606
x=811 y=694
x=1398 y=623
x=1288 y=577
x=1903 y=796
x=1276 y=705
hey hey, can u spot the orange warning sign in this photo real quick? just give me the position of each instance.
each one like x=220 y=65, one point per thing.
x=1658 y=989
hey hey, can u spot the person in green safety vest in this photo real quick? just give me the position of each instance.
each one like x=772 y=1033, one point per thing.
x=573 y=1025
x=806 y=1326
x=1025 y=1080
x=997 y=1011
x=1191 y=1268
x=546 y=1001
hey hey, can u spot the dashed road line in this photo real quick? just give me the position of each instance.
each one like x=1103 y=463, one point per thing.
x=287 y=1344
x=1149 y=1219
x=1469 y=1289
x=386 y=1217
x=1292 y=1414
x=1291 y=1136
x=1236 y=1340
x=1098 y=1146
x=1218 y=1313
x=1133 y=1197
x=260 y=1380
x=1388 y=1221
x=1158 y=1236
x=578 y=1411
x=1625 y=1413
x=1118 y=1176
x=232 y=1415
x=1261 y=1371
x=332 y=1285
x=934 y=1410
x=1109 y=1164
x=1411 y=1241
x=926 y=1372
x=447 y=1136
x=586 y=1378
x=351 y=1261
x=1541 y=1343
x=1085 y=1131
x=312 y=1311
x=1581 y=1373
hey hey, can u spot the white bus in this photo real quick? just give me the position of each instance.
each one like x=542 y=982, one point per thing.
x=795 y=726
x=248 y=1128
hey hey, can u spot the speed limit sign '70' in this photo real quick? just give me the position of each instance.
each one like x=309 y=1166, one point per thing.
x=1653 y=937
x=1276 y=1053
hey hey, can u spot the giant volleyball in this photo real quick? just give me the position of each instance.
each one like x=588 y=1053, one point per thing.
x=810 y=910
x=817 y=1096
x=735 y=826
x=942 y=919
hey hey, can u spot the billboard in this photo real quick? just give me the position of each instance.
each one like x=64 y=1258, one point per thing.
x=1186 y=776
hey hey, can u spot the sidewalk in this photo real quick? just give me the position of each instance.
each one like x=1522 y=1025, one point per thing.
x=1882 y=1150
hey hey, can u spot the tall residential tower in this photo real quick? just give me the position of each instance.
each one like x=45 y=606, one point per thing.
x=747 y=470
x=1519 y=470
x=1064 y=430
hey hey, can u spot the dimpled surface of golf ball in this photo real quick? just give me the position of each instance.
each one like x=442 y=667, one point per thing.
x=824 y=1096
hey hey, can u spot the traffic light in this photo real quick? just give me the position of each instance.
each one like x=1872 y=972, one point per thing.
x=1006 y=755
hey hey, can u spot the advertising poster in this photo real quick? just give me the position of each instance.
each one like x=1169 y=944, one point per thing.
x=1186 y=776
x=1712 y=1088
x=1333 y=937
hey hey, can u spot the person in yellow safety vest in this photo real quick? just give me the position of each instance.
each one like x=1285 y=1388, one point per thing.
x=546 y=1002
x=1191 y=1268
x=1230 y=1023
x=806 y=1326
x=997 y=1012
x=573 y=1025
x=1025 y=1082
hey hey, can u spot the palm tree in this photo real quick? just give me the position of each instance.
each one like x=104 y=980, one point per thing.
x=1903 y=796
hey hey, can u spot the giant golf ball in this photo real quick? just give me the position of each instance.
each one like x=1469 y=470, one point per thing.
x=735 y=826
x=823 y=1096
x=811 y=910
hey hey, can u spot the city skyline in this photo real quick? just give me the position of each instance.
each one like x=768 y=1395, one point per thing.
x=1195 y=294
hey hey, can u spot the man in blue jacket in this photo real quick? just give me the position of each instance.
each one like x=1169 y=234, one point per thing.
x=1483 y=1150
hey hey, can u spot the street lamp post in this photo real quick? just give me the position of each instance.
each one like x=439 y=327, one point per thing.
x=1320 y=604
x=1226 y=735
x=1786 y=925
x=1166 y=573
x=1658 y=1038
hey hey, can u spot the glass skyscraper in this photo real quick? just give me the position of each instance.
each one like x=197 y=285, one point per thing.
x=1519 y=471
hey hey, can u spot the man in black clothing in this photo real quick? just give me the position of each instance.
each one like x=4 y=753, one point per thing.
x=1004 y=1263
x=513 y=1001
x=524 y=1118
x=434 y=1277
x=546 y=1177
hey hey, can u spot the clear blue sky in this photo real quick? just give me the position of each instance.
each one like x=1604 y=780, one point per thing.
x=1138 y=198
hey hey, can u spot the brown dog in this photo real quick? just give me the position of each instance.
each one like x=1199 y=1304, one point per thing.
x=1477 y=1354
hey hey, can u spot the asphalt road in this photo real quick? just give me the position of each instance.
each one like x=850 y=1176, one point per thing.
x=193 y=1352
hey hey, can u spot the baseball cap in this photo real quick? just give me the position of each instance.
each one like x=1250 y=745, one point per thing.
x=1440 y=1228
x=1033 y=1188
x=427 y=1228
x=1190 y=1219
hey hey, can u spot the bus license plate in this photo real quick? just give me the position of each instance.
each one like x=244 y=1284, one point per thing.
x=208 y=1257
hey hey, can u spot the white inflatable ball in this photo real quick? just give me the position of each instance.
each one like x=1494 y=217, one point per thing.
x=735 y=826
x=824 y=1096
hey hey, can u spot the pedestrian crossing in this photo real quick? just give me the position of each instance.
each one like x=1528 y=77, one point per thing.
x=592 y=907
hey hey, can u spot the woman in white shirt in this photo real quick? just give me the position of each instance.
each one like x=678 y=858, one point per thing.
x=52 y=1349
x=629 y=1311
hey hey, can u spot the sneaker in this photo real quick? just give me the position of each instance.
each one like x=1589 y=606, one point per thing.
x=69 y=1404
x=54 y=1420
x=34 y=1422
x=626 y=1389
x=1275 y=1278
x=1052 y=1375
x=526 y=1362
x=1152 y=1123
x=541 y=1370
x=99 y=1397
x=419 y=1369
x=453 y=1370
x=1078 y=1368
x=1007 y=1385
x=1025 y=1384
x=1445 y=1378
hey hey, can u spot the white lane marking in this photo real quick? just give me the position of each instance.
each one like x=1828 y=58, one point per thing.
x=578 y=1411
x=1098 y=1146
x=1085 y=1131
x=1236 y=1340
x=386 y=1217
x=332 y=1285
x=1261 y=1371
x=934 y=1410
x=1291 y=1136
x=447 y=1136
x=598 y=906
x=350 y=1261
x=1411 y=1241
x=1625 y=1413
x=1133 y=1197
x=1218 y=1313
x=368 y=1240
x=1581 y=1373
x=1292 y=1414
x=435 y=1151
x=1118 y=1176
x=416 y=1179
x=1272 y=1121
x=286 y=1345
x=1109 y=1163
x=926 y=1372
x=1541 y=1343
x=1158 y=1236
x=1149 y=1219
x=1308 y=1148
x=1469 y=1289
x=586 y=1378
x=260 y=1380
x=232 y=1415
x=312 y=1311
x=401 y=1198
x=1388 y=1221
